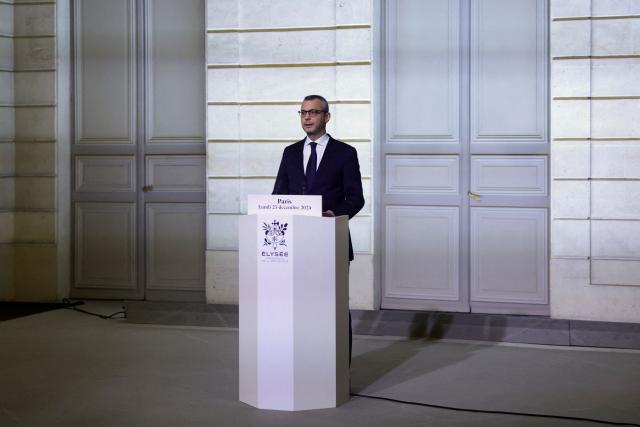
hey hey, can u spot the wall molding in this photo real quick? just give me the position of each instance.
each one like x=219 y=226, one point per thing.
x=33 y=3
x=30 y=244
x=29 y=36
x=174 y=139
x=600 y=139
x=244 y=212
x=595 y=98
x=27 y=141
x=292 y=64
x=271 y=140
x=287 y=29
x=570 y=57
x=289 y=102
x=238 y=177
x=29 y=210
x=28 y=175
x=590 y=218
x=26 y=70
x=591 y=178
x=612 y=258
x=27 y=105
x=106 y=140
x=594 y=18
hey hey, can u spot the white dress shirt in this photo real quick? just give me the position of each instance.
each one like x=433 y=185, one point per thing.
x=306 y=151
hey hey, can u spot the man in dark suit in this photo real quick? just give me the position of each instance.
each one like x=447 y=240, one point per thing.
x=321 y=165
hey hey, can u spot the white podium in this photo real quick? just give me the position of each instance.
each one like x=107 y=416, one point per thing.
x=294 y=331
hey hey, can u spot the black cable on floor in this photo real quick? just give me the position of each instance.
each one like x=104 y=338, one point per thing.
x=487 y=411
x=102 y=316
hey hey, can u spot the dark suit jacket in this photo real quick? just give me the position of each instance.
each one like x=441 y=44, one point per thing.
x=337 y=179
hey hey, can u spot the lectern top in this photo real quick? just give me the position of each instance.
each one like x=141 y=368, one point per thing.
x=284 y=204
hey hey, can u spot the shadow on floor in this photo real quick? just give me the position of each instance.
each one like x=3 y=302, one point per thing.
x=13 y=310
x=372 y=370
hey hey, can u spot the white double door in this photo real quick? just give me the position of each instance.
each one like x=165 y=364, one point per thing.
x=139 y=149
x=465 y=154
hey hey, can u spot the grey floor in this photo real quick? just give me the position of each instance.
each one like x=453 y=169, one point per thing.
x=67 y=368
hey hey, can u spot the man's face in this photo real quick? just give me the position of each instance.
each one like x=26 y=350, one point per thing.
x=314 y=125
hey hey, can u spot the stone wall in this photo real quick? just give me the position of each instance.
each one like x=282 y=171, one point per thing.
x=263 y=58
x=595 y=174
x=27 y=144
x=7 y=150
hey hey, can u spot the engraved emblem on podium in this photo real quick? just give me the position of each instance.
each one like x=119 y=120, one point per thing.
x=274 y=244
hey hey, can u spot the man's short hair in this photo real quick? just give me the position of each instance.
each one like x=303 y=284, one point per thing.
x=325 y=103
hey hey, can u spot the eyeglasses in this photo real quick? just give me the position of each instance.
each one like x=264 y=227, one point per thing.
x=312 y=113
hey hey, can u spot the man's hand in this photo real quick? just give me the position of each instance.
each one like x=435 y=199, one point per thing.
x=328 y=213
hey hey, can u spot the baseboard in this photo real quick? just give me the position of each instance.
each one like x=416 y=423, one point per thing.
x=418 y=324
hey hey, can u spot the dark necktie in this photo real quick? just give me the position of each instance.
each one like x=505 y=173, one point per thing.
x=312 y=165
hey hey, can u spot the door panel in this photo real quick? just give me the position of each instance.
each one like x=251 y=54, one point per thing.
x=140 y=121
x=422 y=242
x=105 y=174
x=175 y=71
x=508 y=117
x=509 y=175
x=465 y=131
x=105 y=71
x=420 y=174
x=423 y=65
x=175 y=242
x=423 y=151
x=105 y=249
x=105 y=167
x=176 y=173
x=174 y=150
x=508 y=71
x=509 y=255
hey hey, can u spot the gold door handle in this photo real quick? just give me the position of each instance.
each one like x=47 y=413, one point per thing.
x=474 y=196
x=147 y=188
